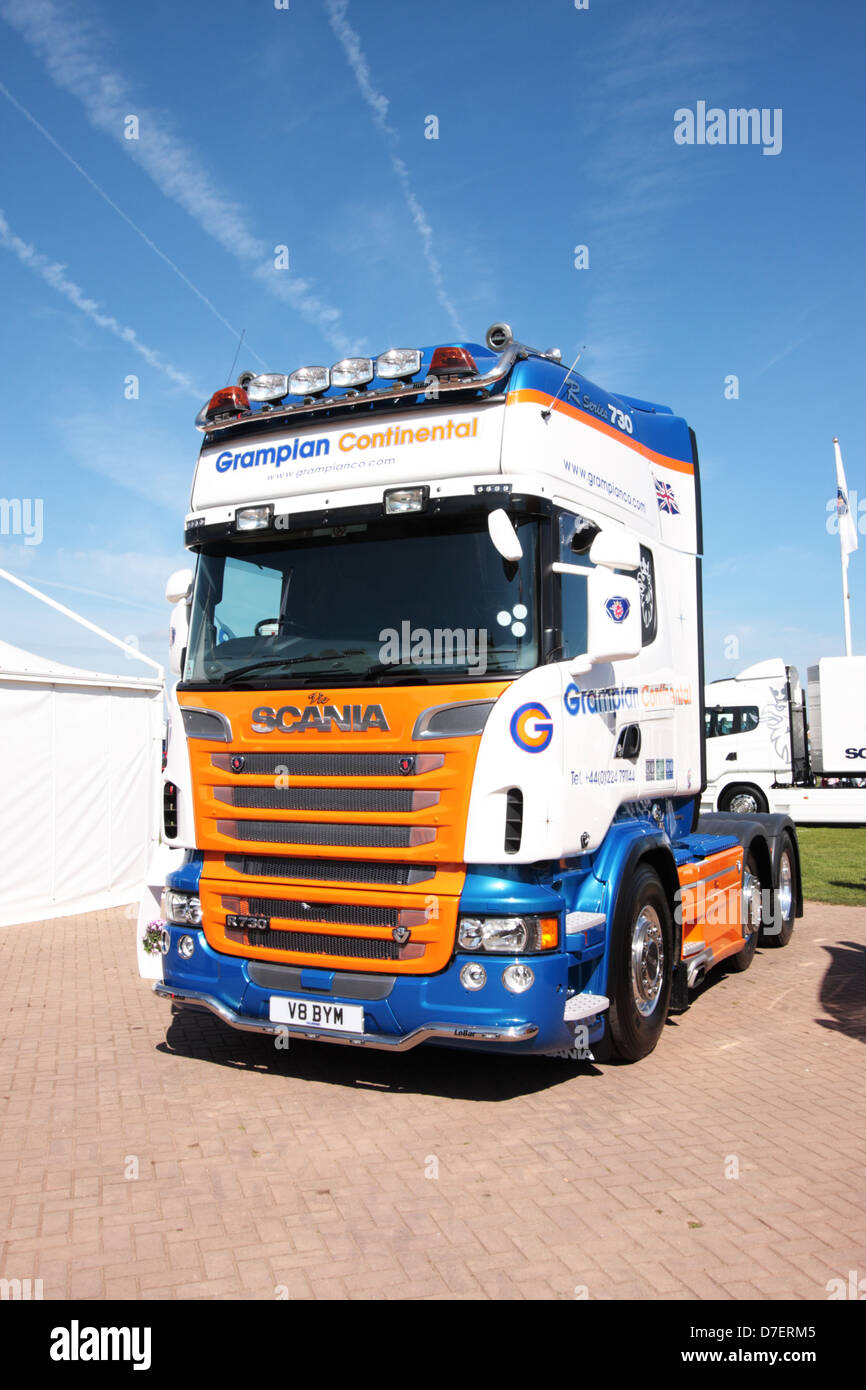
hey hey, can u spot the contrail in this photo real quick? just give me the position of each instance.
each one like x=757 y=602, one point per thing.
x=54 y=274
x=112 y=204
x=69 y=50
x=378 y=104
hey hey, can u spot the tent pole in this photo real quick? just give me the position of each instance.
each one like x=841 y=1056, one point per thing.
x=77 y=618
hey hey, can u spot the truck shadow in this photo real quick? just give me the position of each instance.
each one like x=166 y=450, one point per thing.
x=455 y=1074
x=843 y=990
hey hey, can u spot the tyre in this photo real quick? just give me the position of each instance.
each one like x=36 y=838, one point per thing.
x=752 y=908
x=784 y=895
x=743 y=799
x=642 y=968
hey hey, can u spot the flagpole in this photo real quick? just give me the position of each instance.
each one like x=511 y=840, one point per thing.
x=846 y=605
x=846 y=596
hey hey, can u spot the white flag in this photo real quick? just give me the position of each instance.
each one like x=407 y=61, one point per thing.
x=847 y=525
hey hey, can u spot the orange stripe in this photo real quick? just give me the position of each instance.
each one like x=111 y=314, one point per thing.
x=529 y=396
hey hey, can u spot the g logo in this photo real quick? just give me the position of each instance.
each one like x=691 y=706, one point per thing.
x=531 y=728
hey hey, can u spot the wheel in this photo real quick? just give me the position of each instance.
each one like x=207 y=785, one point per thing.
x=642 y=969
x=743 y=799
x=752 y=910
x=784 y=901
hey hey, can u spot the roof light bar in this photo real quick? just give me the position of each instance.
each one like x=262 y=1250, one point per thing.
x=352 y=371
x=397 y=363
x=309 y=381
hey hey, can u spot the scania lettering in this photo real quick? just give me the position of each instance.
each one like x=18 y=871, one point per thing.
x=436 y=751
x=289 y=719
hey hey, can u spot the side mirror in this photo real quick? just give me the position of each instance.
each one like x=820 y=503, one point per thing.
x=503 y=535
x=179 y=586
x=613 y=617
x=178 y=636
x=615 y=550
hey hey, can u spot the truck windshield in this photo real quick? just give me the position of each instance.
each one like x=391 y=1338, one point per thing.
x=409 y=600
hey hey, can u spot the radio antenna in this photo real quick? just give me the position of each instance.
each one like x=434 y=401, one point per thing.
x=235 y=358
x=545 y=414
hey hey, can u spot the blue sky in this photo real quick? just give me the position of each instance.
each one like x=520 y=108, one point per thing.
x=305 y=127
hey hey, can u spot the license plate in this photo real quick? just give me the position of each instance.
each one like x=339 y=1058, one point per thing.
x=317 y=1013
x=236 y=922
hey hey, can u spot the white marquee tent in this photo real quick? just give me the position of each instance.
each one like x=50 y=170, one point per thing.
x=79 y=797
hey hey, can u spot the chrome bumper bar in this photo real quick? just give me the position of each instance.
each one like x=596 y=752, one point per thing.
x=522 y=1032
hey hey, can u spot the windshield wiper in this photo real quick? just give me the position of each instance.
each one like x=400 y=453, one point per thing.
x=231 y=676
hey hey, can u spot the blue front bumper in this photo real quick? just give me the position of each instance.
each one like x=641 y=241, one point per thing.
x=417 y=1008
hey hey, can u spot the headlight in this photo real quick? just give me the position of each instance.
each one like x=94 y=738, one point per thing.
x=507 y=934
x=183 y=909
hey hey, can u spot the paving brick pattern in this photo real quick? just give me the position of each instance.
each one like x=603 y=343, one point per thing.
x=323 y=1172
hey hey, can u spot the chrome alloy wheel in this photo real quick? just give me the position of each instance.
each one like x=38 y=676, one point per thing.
x=647 y=961
x=744 y=804
x=786 y=886
x=751 y=904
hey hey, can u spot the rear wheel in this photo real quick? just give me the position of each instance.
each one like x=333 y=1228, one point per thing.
x=751 y=908
x=781 y=929
x=642 y=969
x=743 y=799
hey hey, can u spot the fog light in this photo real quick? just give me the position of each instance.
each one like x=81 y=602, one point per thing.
x=518 y=978
x=185 y=947
x=473 y=975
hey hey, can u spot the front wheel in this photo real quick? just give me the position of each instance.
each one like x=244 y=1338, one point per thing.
x=743 y=799
x=642 y=968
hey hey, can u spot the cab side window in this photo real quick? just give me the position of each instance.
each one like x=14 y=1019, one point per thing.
x=740 y=719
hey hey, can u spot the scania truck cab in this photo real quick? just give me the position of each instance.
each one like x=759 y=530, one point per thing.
x=436 y=752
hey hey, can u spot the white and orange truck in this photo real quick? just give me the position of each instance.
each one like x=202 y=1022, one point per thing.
x=436 y=751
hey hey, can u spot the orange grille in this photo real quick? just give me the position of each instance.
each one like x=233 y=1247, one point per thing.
x=358 y=834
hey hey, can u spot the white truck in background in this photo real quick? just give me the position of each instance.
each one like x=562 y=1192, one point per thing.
x=769 y=747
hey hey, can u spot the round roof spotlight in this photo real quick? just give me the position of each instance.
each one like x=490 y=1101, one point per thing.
x=499 y=335
x=245 y=378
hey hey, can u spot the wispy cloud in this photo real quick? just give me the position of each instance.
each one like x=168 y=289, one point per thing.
x=54 y=274
x=70 y=49
x=378 y=103
x=143 y=460
x=46 y=134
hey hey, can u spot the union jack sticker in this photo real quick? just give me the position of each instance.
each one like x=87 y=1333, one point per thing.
x=665 y=498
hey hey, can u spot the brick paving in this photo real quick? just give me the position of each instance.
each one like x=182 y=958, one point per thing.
x=323 y=1172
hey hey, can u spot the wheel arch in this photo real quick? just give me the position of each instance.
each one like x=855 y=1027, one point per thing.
x=765 y=829
x=618 y=870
